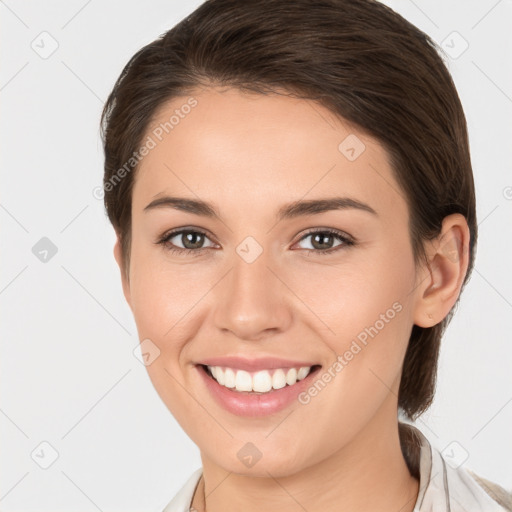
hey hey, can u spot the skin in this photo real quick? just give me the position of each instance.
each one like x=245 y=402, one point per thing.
x=250 y=154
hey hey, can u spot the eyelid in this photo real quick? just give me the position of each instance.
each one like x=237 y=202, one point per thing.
x=176 y=231
x=337 y=232
x=347 y=240
x=165 y=237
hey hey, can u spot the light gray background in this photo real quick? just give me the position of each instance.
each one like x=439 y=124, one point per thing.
x=69 y=374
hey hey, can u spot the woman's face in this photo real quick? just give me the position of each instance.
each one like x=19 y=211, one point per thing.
x=251 y=289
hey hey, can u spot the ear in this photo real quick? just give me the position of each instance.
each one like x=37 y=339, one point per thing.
x=441 y=280
x=118 y=255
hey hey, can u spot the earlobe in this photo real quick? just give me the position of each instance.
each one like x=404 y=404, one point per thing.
x=118 y=255
x=448 y=260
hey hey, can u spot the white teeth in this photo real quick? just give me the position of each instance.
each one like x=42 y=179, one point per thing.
x=243 y=381
x=279 y=379
x=303 y=372
x=262 y=381
x=291 y=376
x=219 y=375
x=229 y=378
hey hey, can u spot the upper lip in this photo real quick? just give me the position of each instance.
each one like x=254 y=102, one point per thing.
x=254 y=364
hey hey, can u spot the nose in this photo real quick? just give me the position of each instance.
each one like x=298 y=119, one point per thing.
x=252 y=302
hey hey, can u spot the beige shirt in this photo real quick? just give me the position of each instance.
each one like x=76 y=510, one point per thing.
x=444 y=487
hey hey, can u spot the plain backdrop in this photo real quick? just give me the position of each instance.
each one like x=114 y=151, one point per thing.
x=81 y=426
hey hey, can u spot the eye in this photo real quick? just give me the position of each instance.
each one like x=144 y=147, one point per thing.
x=191 y=241
x=322 y=240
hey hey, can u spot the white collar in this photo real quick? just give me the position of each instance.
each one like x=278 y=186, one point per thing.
x=447 y=487
x=443 y=487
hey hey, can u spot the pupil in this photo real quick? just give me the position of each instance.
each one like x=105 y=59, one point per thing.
x=190 y=236
x=322 y=237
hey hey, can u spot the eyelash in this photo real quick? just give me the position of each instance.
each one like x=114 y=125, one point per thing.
x=347 y=241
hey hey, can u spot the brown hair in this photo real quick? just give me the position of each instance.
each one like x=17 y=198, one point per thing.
x=357 y=58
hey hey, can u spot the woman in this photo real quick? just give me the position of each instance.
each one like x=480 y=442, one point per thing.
x=291 y=188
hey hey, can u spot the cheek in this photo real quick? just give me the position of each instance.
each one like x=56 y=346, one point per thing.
x=368 y=309
x=350 y=296
x=163 y=293
x=364 y=311
x=165 y=300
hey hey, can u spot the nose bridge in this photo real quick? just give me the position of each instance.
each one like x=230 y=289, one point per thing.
x=250 y=298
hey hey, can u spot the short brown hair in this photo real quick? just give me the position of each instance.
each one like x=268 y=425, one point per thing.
x=357 y=58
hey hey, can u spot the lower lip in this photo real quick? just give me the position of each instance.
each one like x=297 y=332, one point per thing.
x=243 y=403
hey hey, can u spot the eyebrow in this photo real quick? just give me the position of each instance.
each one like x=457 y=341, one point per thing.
x=288 y=211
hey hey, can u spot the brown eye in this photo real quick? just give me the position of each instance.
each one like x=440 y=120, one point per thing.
x=324 y=241
x=185 y=241
x=192 y=239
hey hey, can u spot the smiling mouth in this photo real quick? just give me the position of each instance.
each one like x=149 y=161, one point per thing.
x=260 y=382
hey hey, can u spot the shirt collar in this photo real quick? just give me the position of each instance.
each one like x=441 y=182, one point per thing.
x=443 y=487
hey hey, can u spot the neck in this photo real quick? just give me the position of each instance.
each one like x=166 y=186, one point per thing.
x=369 y=473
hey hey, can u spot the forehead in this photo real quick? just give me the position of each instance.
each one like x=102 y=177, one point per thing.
x=228 y=146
